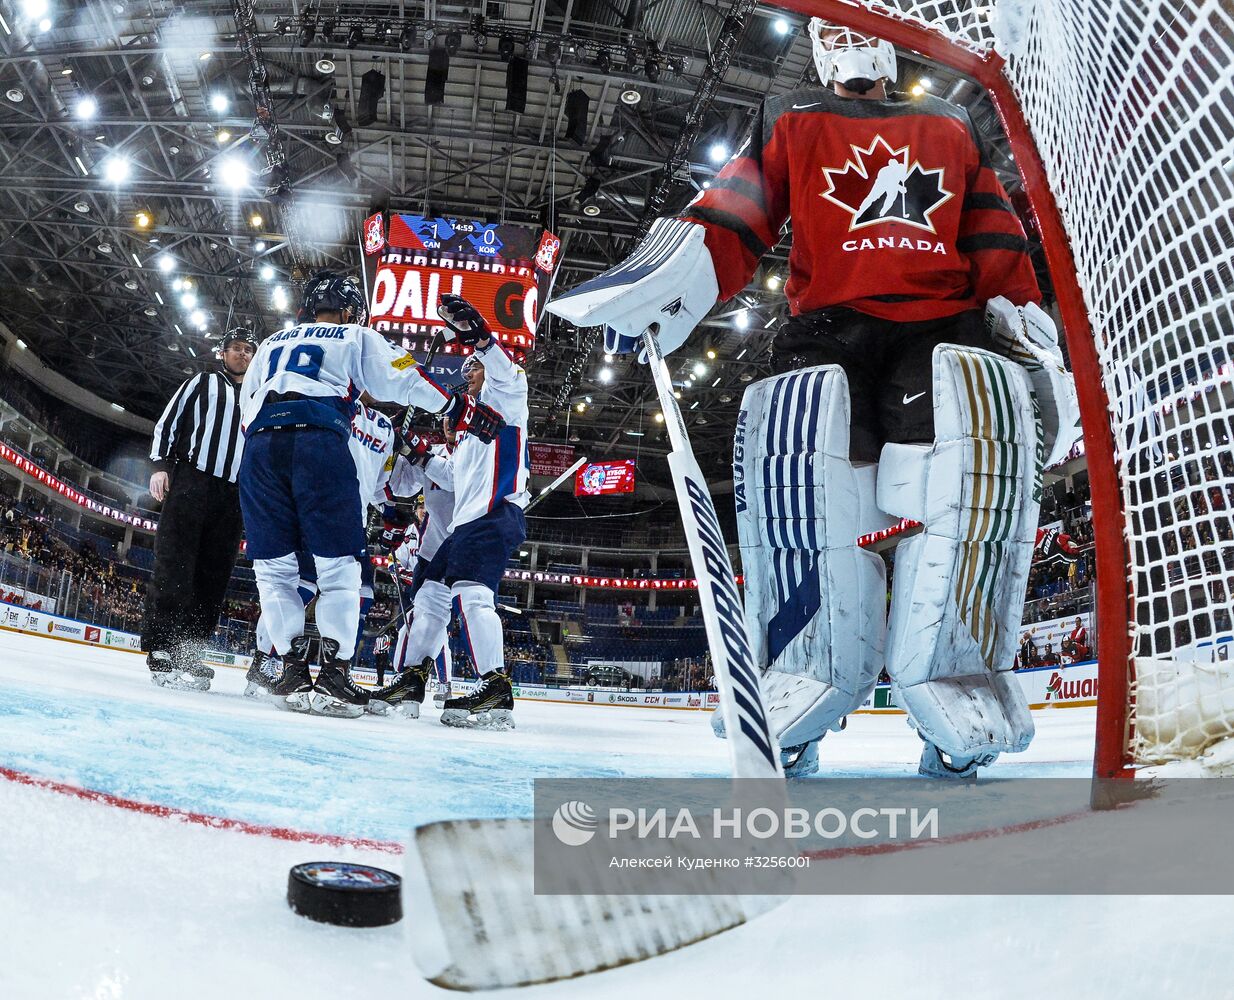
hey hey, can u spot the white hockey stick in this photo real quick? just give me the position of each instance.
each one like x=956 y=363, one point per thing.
x=478 y=923
x=555 y=483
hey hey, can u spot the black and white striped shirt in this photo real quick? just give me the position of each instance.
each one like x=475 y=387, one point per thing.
x=201 y=425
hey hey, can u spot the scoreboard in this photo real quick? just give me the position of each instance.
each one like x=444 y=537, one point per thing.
x=504 y=270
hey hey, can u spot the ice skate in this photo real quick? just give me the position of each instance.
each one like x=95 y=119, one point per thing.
x=935 y=764
x=257 y=680
x=489 y=706
x=441 y=694
x=293 y=684
x=180 y=672
x=333 y=693
x=162 y=672
x=404 y=694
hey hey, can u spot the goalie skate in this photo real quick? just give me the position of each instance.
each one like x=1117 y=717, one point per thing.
x=489 y=706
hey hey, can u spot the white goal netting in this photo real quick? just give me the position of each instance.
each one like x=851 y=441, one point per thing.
x=1130 y=104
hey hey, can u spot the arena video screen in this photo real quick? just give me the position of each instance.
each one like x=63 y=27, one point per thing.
x=506 y=271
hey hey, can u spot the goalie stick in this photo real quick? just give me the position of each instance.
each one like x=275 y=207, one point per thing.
x=480 y=924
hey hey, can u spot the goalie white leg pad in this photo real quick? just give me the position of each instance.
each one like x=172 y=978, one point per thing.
x=815 y=600
x=958 y=587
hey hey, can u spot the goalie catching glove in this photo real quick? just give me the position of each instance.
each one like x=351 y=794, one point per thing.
x=1028 y=337
x=668 y=284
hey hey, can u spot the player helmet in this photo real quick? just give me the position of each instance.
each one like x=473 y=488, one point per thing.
x=844 y=56
x=328 y=291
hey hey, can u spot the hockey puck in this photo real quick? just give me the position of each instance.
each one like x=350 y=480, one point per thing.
x=338 y=892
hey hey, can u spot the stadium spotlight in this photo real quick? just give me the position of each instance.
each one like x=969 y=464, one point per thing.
x=233 y=172
x=718 y=152
x=255 y=220
x=116 y=169
x=87 y=108
x=142 y=220
x=782 y=26
x=741 y=321
x=219 y=103
x=605 y=375
x=267 y=273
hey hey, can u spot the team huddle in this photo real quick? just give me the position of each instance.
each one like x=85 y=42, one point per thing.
x=917 y=377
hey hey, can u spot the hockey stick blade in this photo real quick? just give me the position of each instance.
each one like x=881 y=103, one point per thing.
x=490 y=930
x=478 y=924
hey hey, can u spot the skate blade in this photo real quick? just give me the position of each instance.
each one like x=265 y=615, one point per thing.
x=408 y=709
x=254 y=690
x=495 y=720
x=180 y=682
x=376 y=706
x=297 y=702
x=324 y=704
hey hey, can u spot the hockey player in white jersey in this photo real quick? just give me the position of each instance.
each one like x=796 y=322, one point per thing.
x=490 y=492
x=429 y=468
x=371 y=444
x=298 y=484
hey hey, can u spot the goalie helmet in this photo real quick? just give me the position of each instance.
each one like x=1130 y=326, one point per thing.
x=328 y=291
x=844 y=56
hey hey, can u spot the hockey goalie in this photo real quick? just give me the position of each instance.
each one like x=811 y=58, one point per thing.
x=917 y=377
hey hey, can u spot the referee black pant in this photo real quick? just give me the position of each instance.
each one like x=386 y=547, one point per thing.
x=195 y=550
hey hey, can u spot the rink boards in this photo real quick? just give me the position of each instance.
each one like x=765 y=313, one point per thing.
x=1070 y=686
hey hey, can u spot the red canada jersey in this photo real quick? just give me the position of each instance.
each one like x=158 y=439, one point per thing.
x=896 y=211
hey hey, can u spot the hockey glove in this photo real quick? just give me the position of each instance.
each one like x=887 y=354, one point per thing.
x=668 y=284
x=468 y=415
x=394 y=524
x=1028 y=337
x=464 y=320
x=416 y=449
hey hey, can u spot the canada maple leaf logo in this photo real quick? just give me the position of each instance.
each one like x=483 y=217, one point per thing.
x=882 y=184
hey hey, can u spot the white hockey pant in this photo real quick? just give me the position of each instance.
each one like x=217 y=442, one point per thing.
x=815 y=601
x=958 y=586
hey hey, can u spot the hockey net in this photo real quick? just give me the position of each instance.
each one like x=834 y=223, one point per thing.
x=1120 y=114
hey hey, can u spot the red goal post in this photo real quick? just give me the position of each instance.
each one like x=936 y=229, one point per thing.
x=1125 y=55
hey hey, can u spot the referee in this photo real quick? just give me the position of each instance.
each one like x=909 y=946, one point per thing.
x=196 y=455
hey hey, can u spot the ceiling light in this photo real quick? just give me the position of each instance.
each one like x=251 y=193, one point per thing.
x=259 y=246
x=741 y=320
x=34 y=8
x=131 y=285
x=699 y=369
x=334 y=137
x=718 y=152
x=67 y=71
x=288 y=324
x=608 y=359
x=325 y=67
x=630 y=97
x=926 y=82
x=198 y=319
x=82 y=207
x=267 y=273
x=142 y=220
x=116 y=169
x=255 y=220
x=676 y=394
x=151 y=311
x=234 y=172
x=591 y=209
x=204 y=57
x=916 y=90
x=781 y=26
x=580 y=407
x=166 y=262
x=659 y=418
x=15 y=95
x=45 y=24
x=219 y=103
x=104 y=247
x=605 y=376
x=222 y=136
x=87 y=107
x=188 y=300
x=711 y=353
x=178 y=285
x=773 y=281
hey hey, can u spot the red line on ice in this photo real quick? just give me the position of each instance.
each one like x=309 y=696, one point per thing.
x=201 y=819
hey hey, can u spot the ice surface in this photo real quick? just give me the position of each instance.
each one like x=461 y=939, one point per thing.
x=97 y=901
